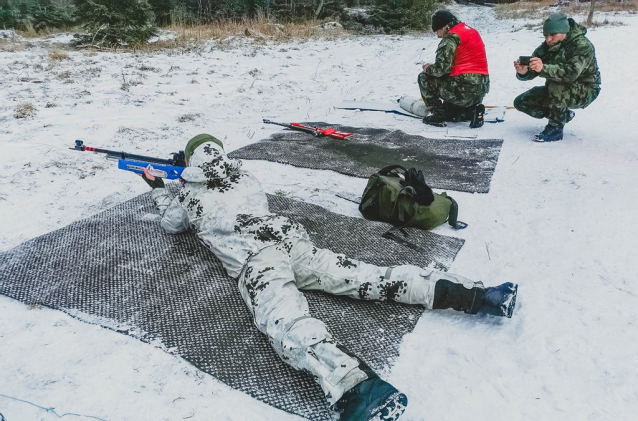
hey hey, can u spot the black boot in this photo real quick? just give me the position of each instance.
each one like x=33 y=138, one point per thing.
x=455 y=113
x=497 y=301
x=372 y=399
x=500 y=300
x=550 y=134
x=477 y=116
x=435 y=115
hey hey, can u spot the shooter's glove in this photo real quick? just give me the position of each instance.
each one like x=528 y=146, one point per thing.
x=156 y=183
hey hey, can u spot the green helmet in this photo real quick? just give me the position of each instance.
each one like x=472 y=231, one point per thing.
x=197 y=141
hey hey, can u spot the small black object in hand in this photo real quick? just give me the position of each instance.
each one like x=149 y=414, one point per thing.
x=524 y=60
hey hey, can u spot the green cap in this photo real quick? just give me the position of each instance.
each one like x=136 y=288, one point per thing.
x=556 y=23
x=197 y=141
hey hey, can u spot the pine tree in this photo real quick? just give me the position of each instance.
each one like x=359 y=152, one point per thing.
x=402 y=15
x=116 y=22
x=162 y=10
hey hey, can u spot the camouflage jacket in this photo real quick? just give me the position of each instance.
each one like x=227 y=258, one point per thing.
x=445 y=53
x=226 y=207
x=571 y=60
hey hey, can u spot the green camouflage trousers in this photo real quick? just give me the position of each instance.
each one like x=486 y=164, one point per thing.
x=464 y=91
x=553 y=100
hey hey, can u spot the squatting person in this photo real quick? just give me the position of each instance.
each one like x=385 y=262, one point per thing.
x=273 y=259
x=453 y=87
x=567 y=61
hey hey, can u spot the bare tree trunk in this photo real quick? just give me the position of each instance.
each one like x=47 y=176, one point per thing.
x=318 y=9
x=590 y=15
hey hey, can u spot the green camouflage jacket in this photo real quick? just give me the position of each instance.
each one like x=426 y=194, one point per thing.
x=573 y=59
x=445 y=53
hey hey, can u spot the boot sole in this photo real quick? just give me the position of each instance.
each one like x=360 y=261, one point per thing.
x=391 y=409
x=541 y=140
x=510 y=302
x=477 y=118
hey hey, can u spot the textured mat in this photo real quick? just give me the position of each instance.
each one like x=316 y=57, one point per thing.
x=119 y=269
x=454 y=164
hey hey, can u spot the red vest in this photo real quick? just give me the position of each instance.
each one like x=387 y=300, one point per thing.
x=470 y=54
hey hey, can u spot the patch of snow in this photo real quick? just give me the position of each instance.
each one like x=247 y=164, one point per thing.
x=557 y=220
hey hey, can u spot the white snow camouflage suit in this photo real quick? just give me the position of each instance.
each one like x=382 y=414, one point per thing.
x=273 y=258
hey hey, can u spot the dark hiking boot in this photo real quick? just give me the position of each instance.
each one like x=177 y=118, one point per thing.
x=455 y=113
x=435 y=115
x=500 y=300
x=372 y=399
x=569 y=116
x=550 y=134
x=477 y=117
x=497 y=301
x=435 y=118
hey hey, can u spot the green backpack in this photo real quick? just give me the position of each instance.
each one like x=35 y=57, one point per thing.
x=402 y=198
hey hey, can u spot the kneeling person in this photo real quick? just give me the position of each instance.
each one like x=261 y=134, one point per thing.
x=454 y=86
x=567 y=61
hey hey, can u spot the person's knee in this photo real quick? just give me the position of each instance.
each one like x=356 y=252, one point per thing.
x=519 y=101
x=560 y=92
x=422 y=80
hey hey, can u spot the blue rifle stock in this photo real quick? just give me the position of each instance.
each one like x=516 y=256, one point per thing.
x=170 y=169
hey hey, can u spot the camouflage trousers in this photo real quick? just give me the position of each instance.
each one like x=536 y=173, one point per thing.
x=270 y=284
x=553 y=100
x=461 y=92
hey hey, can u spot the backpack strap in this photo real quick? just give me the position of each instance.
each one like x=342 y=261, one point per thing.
x=454 y=214
x=389 y=168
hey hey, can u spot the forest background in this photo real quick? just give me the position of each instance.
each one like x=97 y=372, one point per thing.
x=133 y=21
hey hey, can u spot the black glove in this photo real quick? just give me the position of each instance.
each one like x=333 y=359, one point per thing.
x=157 y=183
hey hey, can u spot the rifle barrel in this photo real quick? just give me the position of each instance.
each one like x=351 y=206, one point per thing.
x=79 y=145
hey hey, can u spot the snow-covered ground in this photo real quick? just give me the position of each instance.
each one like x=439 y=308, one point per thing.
x=558 y=220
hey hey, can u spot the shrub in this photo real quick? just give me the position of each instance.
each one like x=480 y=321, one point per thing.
x=402 y=15
x=24 y=110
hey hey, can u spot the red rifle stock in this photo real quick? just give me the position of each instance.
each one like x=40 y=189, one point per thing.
x=315 y=131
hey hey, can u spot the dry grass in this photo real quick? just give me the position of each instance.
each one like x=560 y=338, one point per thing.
x=8 y=46
x=260 y=30
x=540 y=9
x=58 y=55
x=522 y=10
x=24 y=110
x=630 y=6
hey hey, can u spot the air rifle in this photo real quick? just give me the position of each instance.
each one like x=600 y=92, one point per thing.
x=315 y=131
x=170 y=169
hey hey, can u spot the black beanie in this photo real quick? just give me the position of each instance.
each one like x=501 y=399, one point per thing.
x=442 y=18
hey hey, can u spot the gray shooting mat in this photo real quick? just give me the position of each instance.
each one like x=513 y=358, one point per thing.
x=455 y=164
x=120 y=270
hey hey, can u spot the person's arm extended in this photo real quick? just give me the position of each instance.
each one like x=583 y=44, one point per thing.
x=174 y=216
x=577 y=58
x=445 y=53
x=531 y=74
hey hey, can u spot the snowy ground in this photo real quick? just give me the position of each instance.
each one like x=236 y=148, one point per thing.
x=557 y=220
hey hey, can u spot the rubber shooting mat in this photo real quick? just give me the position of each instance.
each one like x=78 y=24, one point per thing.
x=120 y=270
x=454 y=164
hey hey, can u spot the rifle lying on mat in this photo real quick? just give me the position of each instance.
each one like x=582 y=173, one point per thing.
x=170 y=169
x=315 y=131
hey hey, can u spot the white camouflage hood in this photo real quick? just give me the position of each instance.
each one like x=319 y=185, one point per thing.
x=210 y=163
